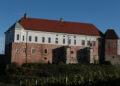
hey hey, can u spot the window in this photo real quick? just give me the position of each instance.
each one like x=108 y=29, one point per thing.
x=32 y=50
x=30 y=38
x=23 y=38
x=45 y=58
x=17 y=36
x=63 y=41
x=75 y=42
x=36 y=39
x=88 y=43
x=45 y=51
x=83 y=42
x=69 y=41
x=56 y=41
x=43 y=39
x=72 y=52
x=49 y=40
x=74 y=36
x=24 y=50
x=16 y=50
x=94 y=43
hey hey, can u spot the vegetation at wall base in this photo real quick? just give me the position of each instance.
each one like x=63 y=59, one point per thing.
x=37 y=74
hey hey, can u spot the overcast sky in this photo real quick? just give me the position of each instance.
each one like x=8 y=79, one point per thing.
x=104 y=14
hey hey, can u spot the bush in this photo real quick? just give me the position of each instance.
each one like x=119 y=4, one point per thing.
x=54 y=74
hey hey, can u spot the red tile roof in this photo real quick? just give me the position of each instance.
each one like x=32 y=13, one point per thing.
x=60 y=27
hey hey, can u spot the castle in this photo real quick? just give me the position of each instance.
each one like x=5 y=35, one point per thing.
x=32 y=40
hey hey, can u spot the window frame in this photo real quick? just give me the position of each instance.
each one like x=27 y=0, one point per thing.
x=36 y=39
x=94 y=43
x=30 y=38
x=69 y=41
x=43 y=39
x=49 y=40
x=56 y=40
x=32 y=50
x=63 y=41
x=17 y=51
x=83 y=42
x=75 y=42
x=45 y=51
x=23 y=38
x=18 y=37
x=88 y=43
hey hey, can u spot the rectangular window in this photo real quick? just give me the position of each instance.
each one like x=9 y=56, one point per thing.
x=94 y=43
x=32 y=50
x=88 y=43
x=69 y=41
x=24 y=50
x=45 y=51
x=63 y=41
x=30 y=38
x=17 y=36
x=83 y=42
x=43 y=39
x=49 y=40
x=23 y=38
x=36 y=39
x=16 y=51
x=56 y=41
x=75 y=42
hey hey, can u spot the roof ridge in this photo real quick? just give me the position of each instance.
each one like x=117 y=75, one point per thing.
x=56 y=20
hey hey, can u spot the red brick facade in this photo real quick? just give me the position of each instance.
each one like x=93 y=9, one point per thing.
x=111 y=47
x=111 y=43
x=22 y=52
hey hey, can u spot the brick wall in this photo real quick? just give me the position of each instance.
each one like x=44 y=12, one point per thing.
x=21 y=55
x=111 y=47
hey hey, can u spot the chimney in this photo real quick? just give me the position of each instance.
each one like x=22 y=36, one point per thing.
x=25 y=15
x=61 y=19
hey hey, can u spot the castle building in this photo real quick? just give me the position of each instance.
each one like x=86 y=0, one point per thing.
x=32 y=40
